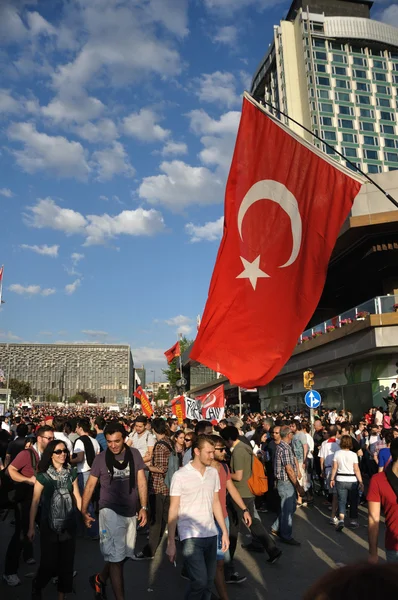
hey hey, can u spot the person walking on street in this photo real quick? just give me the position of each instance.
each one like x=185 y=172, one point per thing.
x=120 y=471
x=346 y=476
x=194 y=503
x=286 y=475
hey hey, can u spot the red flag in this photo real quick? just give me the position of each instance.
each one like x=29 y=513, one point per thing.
x=284 y=207
x=172 y=352
x=178 y=408
x=145 y=403
x=1 y=273
x=213 y=404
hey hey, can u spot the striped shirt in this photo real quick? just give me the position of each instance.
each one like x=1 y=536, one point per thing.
x=283 y=456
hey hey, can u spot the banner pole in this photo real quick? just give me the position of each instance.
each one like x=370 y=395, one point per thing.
x=240 y=400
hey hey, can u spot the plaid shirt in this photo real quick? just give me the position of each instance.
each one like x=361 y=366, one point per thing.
x=160 y=459
x=283 y=456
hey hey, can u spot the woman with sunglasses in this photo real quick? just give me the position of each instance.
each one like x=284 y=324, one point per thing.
x=56 y=482
x=190 y=438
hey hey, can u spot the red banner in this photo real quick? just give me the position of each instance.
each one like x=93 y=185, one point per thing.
x=178 y=408
x=173 y=352
x=145 y=403
x=213 y=404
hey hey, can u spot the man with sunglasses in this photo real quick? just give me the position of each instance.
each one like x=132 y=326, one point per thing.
x=22 y=470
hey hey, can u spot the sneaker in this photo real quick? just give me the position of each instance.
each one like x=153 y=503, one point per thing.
x=141 y=556
x=333 y=521
x=31 y=561
x=353 y=525
x=340 y=526
x=11 y=580
x=235 y=578
x=98 y=586
x=291 y=542
x=274 y=556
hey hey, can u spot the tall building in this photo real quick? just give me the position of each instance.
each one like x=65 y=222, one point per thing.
x=104 y=370
x=335 y=70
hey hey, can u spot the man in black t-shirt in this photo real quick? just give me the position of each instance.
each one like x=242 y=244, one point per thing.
x=346 y=429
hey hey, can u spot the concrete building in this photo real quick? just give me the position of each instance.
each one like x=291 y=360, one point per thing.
x=105 y=370
x=335 y=70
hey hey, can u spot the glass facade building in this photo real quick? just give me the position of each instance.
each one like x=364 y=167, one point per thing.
x=106 y=371
x=338 y=76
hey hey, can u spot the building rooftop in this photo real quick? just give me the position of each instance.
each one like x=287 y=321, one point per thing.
x=335 y=8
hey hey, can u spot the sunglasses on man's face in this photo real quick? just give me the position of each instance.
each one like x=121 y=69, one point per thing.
x=58 y=452
x=220 y=449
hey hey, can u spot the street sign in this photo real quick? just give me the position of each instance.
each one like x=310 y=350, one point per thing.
x=313 y=399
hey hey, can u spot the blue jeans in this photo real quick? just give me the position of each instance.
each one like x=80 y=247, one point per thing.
x=392 y=556
x=284 y=521
x=82 y=479
x=200 y=557
x=348 y=490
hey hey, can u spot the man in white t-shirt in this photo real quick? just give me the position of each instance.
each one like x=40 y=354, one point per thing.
x=326 y=455
x=85 y=450
x=194 y=503
x=142 y=440
x=332 y=416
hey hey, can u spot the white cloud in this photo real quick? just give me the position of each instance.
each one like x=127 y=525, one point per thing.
x=9 y=336
x=174 y=148
x=103 y=131
x=210 y=231
x=95 y=333
x=6 y=192
x=390 y=15
x=182 y=323
x=30 y=290
x=73 y=107
x=8 y=104
x=44 y=249
x=181 y=185
x=112 y=161
x=173 y=14
x=12 y=28
x=227 y=34
x=143 y=126
x=38 y=25
x=72 y=287
x=76 y=257
x=218 y=87
x=232 y=6
x=43 y=152
x=149 y=357
x=96 y=228
x=48 y=214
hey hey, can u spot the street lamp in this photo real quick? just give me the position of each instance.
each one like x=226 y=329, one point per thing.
x=153 y=385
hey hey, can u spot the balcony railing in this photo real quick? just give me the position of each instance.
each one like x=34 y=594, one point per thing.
x=375 y=306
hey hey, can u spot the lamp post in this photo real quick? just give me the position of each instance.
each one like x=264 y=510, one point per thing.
x=153 y=385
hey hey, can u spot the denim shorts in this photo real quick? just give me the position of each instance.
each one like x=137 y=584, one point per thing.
x=220 y=554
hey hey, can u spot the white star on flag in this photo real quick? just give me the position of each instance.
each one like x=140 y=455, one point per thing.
x=252 y=271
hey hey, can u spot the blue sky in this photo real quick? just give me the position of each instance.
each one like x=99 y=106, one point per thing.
x=117 y=125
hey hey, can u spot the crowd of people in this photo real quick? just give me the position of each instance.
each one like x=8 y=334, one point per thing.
x=85 y=471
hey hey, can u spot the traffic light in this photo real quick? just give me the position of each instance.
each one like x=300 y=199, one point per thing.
x=308 y=380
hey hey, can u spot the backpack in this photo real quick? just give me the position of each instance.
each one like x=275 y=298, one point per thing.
x=258 y=482
x=173 y=465
x=11 y=492
x=61 y=511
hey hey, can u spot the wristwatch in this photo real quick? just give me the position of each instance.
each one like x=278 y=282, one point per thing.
x=144 y=508
x=246 y=510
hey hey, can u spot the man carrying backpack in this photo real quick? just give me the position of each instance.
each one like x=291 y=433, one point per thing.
x=85 y=450
x=241 y=472
x=164 y=464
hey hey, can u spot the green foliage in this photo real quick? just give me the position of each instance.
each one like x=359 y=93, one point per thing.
x=76 y=399
x=162 y=395
x=172 y=372
x=52 y=398
x=87 y=396
x=20 y=390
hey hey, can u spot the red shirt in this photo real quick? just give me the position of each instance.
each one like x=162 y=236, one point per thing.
x=381 y=491
x=23 y=462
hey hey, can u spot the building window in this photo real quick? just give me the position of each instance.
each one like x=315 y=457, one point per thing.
x=340 y=58
x=367 y=126
x=362 y=86
x=346 y=123
x=317 y=27
x=359 y=73
x=343 y=84
x=318 y=43
x=391 y=156
x=357 y=49
x=389 y=129
x=346 y=110
x=350 y=138
x=383 y=102
x=350 y=152
x=389 y=143
x=342 y=97
x=326 y=121
x=379 y=77
x=360 y=62
x=379 y=64
x=376 y=52
x=323 y=81
x=382 y=89
x=339 y=71
x=325 y=107
x=386 y=116
x=321 y=68
x=321 y=55
x=369 y=140
x=367 y=113
x=336 y=46
x=329 y=136
x=324 y=94
x=374 y=168
x=363 y=100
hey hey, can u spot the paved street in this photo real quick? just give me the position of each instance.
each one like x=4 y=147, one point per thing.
x=322 y=548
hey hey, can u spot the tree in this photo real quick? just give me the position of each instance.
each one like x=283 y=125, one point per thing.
x=20 y=390
x=76 y=399
x=162 y=394
x=87 y=396
x=52 y=398
x=172 y=372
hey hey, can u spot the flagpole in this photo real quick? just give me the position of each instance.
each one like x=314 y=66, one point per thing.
x=240 y=400
x=1 y=285
x=316 y=136
x=181 y=374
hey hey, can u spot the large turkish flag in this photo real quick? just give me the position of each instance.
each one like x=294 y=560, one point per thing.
x=284 y=207
x=213 y=404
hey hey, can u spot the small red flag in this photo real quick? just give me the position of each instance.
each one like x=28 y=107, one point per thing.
x=284 y=207
x=213 y=404
x=172 y=352
x=178 y=408
x=145 y=403
x=1 y=273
